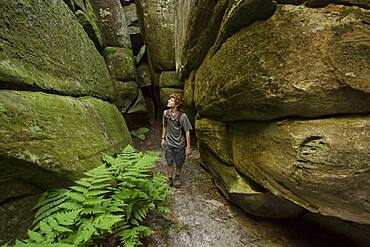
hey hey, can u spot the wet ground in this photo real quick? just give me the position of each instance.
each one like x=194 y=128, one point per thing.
x=201 y=217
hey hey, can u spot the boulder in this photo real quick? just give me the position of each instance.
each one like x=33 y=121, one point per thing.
x=143 y=74
x=133 y=27
x=113 y=22
x=240 y=14
x=158 y=26
x=249 y=196
x=302 y=61
x=88 y=26
x=189 y=91
x=170 y=79
x=86 y=15
x=320 y=164
x=216 y=136
x=15 y=217
x=197 y=24
x=164 y=93
x=121 y=63
x=44 y=48
x=47 y=141
x=189 y=106
x=140 y=105
x=126 y=94
x=151 y=108
x=58 y=135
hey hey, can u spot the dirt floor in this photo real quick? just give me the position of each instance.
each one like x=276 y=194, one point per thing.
x=201 y=216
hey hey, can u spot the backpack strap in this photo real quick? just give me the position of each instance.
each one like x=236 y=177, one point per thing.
x=167 y=115
x=178 y=118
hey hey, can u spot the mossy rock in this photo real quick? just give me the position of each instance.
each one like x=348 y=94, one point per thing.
x=121 y=63
x=300 y=62
x=16 y=217
x=56 y=135
x=140 y=105
x=189 y=91
x=126 y=94
x=158 y=26
x=113 y=22
x=143 y=74
x=216 y=135
x=50 y=51
x=197 y=26
x=240 y=14
x=170 y=79
x=245 y=193
x=320 y=164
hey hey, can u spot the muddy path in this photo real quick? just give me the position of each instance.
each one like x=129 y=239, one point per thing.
x=201 y=216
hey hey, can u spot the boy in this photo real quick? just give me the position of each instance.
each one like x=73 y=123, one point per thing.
x=175 y=137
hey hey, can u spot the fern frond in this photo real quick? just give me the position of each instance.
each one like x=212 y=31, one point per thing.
x=48 y=197
x=93 y=193
x=48 y=209
x=96 y=201
x=106 y=221
x=93 y=211
x=36 y=237
x=70 y=205
x=77 y=196
x=67 y=218
x=84 y=233
x=84 y=182
x=79 y=189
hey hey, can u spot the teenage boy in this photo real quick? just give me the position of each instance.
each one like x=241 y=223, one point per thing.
x=175 y=137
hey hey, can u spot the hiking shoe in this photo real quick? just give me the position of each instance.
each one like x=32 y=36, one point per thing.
x=177 y=181
x=170 y=182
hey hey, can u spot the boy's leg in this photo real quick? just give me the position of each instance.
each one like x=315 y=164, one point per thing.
x=170 y=159
x=179 y=160
x=178 y=170
x=169 y=171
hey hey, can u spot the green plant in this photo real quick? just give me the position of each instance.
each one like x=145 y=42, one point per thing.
x=113 y=199
x=139 y=133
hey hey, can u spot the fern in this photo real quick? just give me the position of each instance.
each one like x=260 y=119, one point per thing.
x=112 y=198
x=140 y=133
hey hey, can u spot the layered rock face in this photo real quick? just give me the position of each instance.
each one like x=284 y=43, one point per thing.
x=158 y=24
x=157 y=20
x=282 y=96
x=56 y=118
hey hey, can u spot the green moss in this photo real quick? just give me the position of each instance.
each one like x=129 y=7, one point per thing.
x=109 y=51
x=50 y=51
x=58 y=133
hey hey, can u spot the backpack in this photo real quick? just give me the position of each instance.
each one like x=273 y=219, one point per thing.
x=178 y=117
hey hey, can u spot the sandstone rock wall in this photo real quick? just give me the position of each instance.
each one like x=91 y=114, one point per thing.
x=282 y=98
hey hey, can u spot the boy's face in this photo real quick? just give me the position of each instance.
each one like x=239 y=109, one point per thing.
x=171 y=102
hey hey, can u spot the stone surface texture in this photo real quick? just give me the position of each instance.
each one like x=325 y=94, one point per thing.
x=302 y=61
x=44 y=48
x=158 y=25
x=113 y=22
x=321 y=164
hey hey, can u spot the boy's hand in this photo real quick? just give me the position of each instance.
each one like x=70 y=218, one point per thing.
x=163 y=143
x=187 y=151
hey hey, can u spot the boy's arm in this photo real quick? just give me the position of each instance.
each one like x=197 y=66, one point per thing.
x=164 y=132
x=188 y=148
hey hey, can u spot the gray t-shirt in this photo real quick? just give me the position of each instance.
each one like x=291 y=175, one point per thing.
x=175 y=136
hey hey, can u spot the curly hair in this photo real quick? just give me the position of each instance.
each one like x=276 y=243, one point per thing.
x=178 y=99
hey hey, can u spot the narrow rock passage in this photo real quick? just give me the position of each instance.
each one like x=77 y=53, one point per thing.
x=201 y=217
